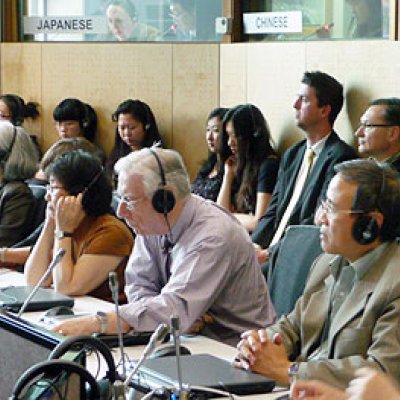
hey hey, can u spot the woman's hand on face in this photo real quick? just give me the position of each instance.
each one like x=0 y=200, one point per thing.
x=69 y=213
x=230 y=166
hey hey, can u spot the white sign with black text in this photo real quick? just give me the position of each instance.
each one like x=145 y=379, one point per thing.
x=65 y=24
x=273 y=22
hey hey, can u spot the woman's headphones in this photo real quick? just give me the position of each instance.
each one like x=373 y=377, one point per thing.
x=163 y=199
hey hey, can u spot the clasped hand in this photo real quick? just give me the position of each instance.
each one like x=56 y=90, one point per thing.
x=69 y=213
x=256 y=351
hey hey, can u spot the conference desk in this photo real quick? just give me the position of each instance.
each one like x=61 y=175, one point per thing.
x=85 y=304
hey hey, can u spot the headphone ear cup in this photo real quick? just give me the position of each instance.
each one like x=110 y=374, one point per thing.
x=365 y=229
x=163 y=201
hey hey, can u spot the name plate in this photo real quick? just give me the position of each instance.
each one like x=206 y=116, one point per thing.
x=69 y=24
x=273 y=22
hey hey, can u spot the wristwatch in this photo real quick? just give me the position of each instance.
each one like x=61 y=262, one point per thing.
x=293 y=371
x=62 y=234
x=103 y=321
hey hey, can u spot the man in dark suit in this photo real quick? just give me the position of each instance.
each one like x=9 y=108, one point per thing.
x=302 y=182
x=379 y=132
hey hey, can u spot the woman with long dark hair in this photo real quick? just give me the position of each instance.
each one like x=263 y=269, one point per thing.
x=136 y=128
x=209 y=179
x=249 y=164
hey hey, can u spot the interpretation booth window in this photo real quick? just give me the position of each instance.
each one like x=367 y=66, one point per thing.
x=121 y=20
x=280 y=20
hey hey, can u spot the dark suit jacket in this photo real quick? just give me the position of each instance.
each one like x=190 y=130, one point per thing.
x=334 y=152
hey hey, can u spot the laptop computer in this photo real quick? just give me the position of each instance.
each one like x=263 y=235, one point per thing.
x=12 y=298
x=203 y=370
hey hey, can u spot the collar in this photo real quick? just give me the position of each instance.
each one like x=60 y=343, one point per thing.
x=319 y=146
x=393 y=159
x=364 y=264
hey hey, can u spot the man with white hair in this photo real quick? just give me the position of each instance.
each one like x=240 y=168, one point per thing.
x=191 y=258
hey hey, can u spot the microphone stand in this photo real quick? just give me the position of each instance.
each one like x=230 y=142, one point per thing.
x=58 y=257
x=119 y=386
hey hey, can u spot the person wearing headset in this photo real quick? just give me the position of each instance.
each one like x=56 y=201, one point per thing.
x=182 y=263
x=18 y=162
x=78 y=219
x=348 y=315
x=136 y=128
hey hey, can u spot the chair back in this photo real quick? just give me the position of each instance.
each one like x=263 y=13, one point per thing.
x=298 y=249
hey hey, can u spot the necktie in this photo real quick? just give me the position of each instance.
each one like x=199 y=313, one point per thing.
x=298 y=188
x=167 y=246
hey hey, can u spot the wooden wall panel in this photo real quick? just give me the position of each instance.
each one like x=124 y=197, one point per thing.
x=21 y=66
x=274 y=73
x=233 y=74
x=104 y=75
x=195 y=93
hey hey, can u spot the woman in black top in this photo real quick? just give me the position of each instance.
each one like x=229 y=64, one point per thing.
x=249 y=164
x=209 y=179
x=136 y=128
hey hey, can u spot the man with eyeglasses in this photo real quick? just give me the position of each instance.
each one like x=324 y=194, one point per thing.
x=379 y=132
x=191 y=258
x=348 y=316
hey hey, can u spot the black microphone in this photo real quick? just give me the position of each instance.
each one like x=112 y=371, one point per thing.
x=114 y=287
x=157 y=337
x=57 y=258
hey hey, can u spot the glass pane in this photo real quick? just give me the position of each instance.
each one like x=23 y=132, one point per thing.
x=319 y=19
x=122 y=20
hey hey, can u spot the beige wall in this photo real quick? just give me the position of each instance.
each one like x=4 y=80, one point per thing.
x=183 y=82
x=179 y=82
x=268 y=75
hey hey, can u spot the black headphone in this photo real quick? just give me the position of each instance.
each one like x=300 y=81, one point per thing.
x=163 y=200
x=5 y=154
x=366 y=228
x=90 y=344
x=39 y=375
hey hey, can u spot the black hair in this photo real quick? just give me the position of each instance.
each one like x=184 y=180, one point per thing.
x=254 y=146
x=327 y=90
x=392 y=109
x=141 y=112
x=79 y=171
x=209 y=164
x=75 y=110
x=19 y=110
x=378 y=189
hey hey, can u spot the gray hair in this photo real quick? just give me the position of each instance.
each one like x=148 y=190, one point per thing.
x=22 y=162
x=144 y=163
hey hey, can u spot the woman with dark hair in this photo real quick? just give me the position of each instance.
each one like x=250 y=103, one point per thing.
x=136 y=128
x=74 y=118
x=249 y=163
x=209 y=179
x=14 y=109
x=78 y=219
x=18 y=162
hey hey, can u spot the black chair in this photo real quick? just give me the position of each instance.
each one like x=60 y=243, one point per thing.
x=297 y=251
x=38 y=212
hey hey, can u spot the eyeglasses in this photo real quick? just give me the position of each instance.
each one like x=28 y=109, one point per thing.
x=331 y=210
x=130 y=204
x=52 y=188
x=366 y=125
